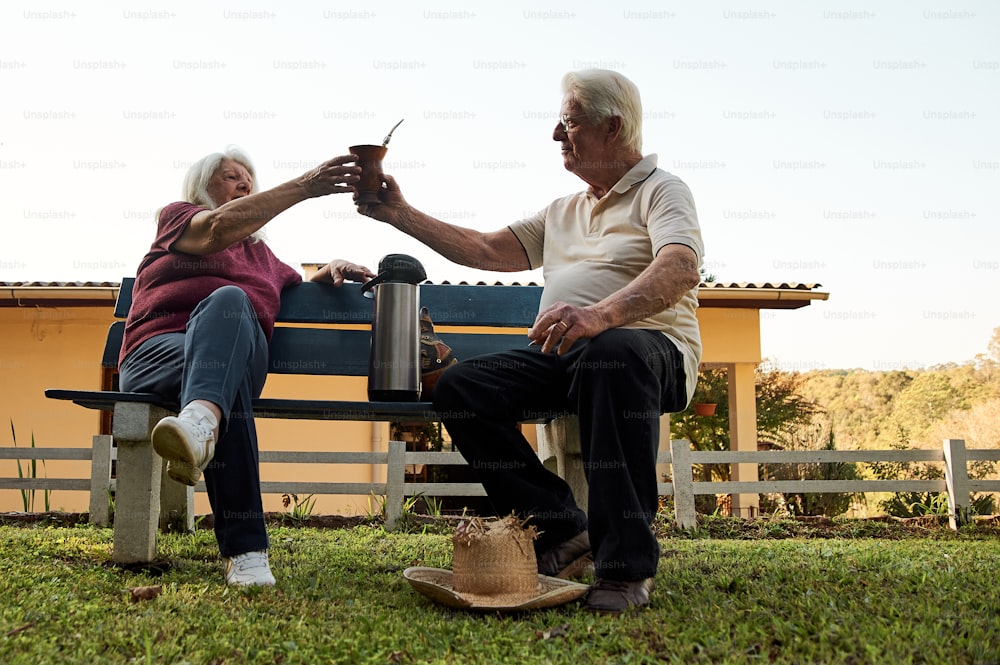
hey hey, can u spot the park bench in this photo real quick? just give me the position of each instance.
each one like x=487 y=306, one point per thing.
x=321 y=330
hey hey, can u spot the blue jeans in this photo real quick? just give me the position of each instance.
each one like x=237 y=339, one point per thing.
x=618 y=384
x=221 y=357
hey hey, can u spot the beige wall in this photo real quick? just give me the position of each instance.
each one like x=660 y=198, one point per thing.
x=729 y=335
x=49 y=348
x=62 y=347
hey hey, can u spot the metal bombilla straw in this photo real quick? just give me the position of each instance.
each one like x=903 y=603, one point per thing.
x=388 y=136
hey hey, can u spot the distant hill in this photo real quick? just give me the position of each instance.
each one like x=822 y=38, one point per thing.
x=919 y=408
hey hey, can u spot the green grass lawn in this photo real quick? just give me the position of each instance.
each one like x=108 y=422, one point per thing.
x=765 y=591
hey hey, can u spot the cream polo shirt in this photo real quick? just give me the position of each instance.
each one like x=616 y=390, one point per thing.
x=590 y=248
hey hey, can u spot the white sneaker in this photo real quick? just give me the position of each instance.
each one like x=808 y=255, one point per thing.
x=187 y=443
x=249 y=569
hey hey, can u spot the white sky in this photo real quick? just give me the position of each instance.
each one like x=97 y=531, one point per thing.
x=852 y=144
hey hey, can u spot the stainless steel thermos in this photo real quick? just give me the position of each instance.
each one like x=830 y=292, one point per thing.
x=394 y=362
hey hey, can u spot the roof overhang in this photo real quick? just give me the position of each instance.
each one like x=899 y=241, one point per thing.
x=66 y=295
x=752 y=296
x=731 y=295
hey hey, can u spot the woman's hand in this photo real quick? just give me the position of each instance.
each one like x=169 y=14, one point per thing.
x=338 y=271
x=331 y=177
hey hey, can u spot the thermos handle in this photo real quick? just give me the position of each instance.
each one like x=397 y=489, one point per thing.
x=368 y=288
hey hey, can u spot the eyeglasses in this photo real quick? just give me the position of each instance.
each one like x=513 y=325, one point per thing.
x=564 y=120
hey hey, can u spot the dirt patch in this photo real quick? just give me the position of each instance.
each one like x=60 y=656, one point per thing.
x=55 y=518
x=709 y=526
x=881 y=526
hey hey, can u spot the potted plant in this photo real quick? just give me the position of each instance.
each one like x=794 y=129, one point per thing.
x=710 y=391
x=704 y=408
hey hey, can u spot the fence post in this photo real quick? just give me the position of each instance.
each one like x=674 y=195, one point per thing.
x=956 y=475
x=683 y=480
x=395 y=477
x=100 y=480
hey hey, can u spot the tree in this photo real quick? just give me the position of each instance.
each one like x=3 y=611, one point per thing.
x=781 y=408
x=852 y=404
x=989 y=363
x=780 y=411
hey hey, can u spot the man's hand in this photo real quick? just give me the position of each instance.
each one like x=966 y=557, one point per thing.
x=391 y=207
x=559 y=325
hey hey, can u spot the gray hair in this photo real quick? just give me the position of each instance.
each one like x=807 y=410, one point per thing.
x=195 y=187
x=603 y=94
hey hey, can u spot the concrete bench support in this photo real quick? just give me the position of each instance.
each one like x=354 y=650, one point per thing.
x=137 y=495
x=559 y=450
x=176 y=504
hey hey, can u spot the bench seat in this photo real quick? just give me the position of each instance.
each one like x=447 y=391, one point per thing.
x=306 y=409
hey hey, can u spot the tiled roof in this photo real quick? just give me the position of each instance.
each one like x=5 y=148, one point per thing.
x=51 y=285
x=744 y=295
x=798 y=286
x=464 y=283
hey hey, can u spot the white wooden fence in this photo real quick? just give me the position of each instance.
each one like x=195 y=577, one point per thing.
x=683 y=487
x=953 y=455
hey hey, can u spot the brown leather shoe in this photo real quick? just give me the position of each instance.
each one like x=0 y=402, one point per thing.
x=571 y=558
x=616 y=596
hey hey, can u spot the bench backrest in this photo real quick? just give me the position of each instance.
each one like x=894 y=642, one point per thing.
x=305 y=341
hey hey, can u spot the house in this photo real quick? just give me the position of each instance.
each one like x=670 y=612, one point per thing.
x=54 y=334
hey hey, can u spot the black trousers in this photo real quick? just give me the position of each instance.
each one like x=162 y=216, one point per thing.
x=618 y=384
x=221 y=357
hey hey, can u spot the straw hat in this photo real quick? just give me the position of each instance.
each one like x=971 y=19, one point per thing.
x=494 y=569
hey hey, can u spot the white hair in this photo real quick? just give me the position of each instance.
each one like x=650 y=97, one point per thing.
x=195 y=186
x=602 y=94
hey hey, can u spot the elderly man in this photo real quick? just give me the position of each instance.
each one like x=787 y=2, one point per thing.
x=615 y=341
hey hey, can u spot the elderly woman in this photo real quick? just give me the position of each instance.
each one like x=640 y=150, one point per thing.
x=205 y=299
